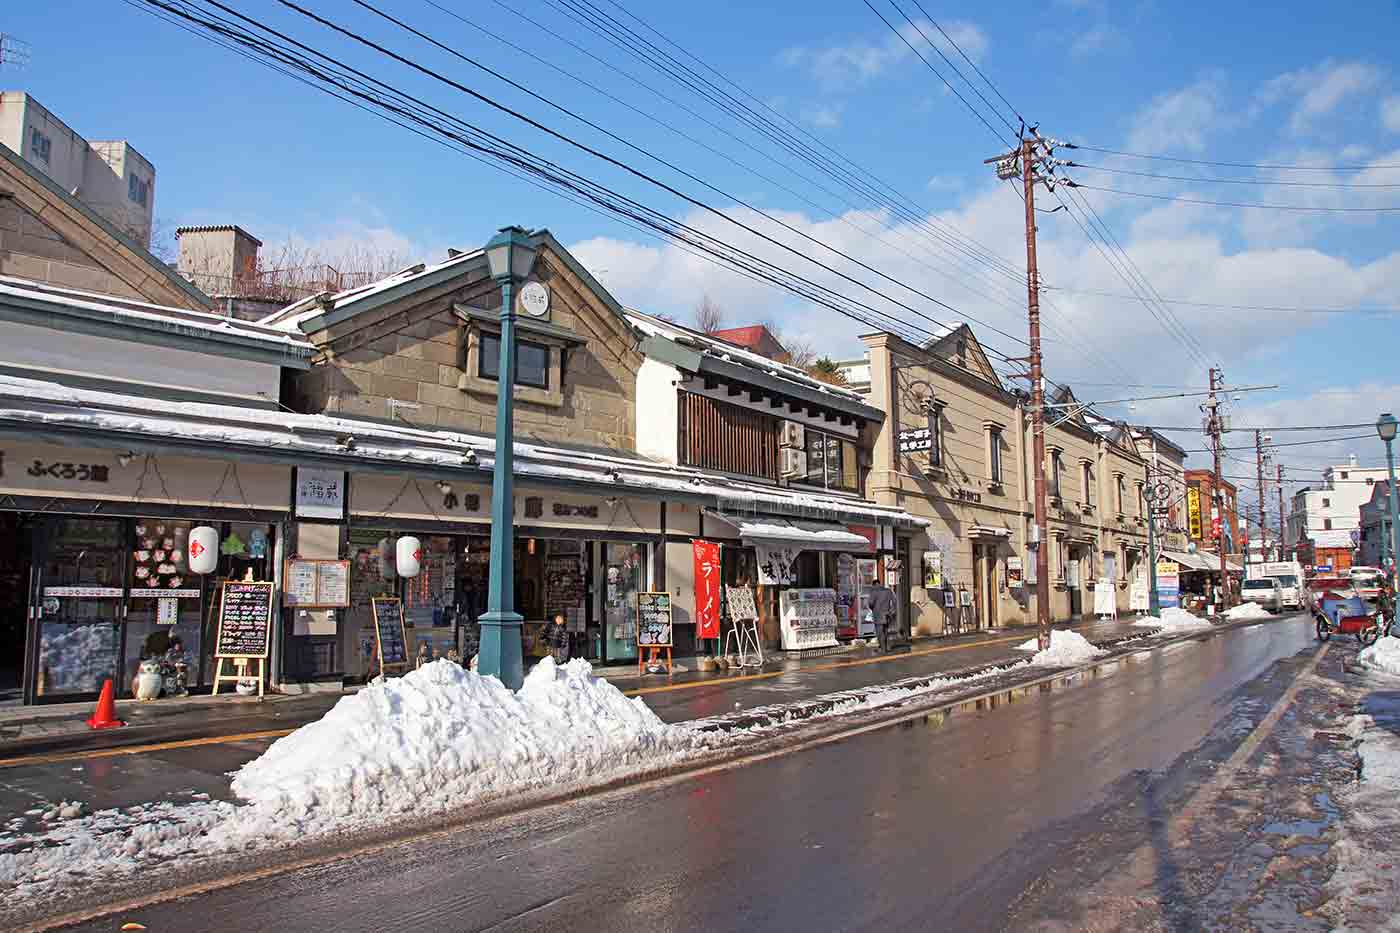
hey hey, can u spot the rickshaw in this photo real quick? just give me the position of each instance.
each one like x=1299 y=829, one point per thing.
x=1337 y=606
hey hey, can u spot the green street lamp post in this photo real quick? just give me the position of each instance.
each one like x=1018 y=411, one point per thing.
x=509 y=258
x=1386 y=425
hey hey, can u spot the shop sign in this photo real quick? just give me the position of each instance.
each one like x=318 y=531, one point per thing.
x=320 y=493
x=914 y=441
x=1193 y=511
x=167 y=611
x=84 y=592
x=964 y=495
x=868 y=532
x=654 y=620
x=82 y=472
x=776 y=565
x=565 y=510
x=322 y=584
x=707 y=567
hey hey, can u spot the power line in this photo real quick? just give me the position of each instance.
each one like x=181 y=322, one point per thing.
x=1248 y=165
x=1324 y=440
x=1285 y=309
x=955 y=45
x=1308 y=427
x=1299 y=208
x=1228 y=181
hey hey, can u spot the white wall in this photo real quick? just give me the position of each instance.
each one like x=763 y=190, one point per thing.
x=658 y=411
x=50 y=352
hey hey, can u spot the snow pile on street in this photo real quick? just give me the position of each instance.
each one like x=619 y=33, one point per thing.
x=436 y=739
x=1362 y=889
x=1173 y=619
x=1066 y=650
x=1245 y=611
x=444 y=733
x=1383 y=656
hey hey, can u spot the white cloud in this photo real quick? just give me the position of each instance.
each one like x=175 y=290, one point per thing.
x=1390 y=114
x=1097 y=39
x=855 y=62
x=1317 y=91
x=823 y=116
x=1180 y=119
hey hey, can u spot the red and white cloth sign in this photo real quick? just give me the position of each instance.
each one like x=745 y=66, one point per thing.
x=706 y=589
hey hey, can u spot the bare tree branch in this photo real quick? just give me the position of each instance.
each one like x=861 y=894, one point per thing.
x=709 y=316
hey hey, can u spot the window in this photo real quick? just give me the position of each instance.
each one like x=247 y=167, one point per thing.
x=1055 y=467
x=831 y=461
x=1326 y=503
x=1141 y=501
x=138 y=189
x=1118 y=492
x=935 y=434
x=994 y=455
x=531 y=361
x=719 y=436
x=1089 y=493
x=1327 y=524
x=40 y=146
x=1344 y=474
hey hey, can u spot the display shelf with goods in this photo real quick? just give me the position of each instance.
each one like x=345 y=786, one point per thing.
x=808 y=618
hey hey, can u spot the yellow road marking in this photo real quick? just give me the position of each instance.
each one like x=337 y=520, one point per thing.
x=139 y=749
x=693 y=685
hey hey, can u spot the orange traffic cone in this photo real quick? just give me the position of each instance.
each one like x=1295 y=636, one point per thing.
x=105 y=716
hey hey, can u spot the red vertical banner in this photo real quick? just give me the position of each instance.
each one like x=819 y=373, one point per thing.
x=706 y=589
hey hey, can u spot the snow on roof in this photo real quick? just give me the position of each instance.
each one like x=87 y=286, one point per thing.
x=34 y=404
x=141 y=311
x=720 y=349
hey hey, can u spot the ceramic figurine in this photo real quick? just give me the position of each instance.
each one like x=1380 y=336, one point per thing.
x=149 y=680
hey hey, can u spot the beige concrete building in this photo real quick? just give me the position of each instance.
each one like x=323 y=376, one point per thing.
x=955 y=449
x=109 y=176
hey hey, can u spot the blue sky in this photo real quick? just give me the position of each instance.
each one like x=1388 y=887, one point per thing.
x=234 y=142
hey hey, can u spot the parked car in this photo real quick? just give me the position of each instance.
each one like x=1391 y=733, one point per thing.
x=1265 y=591
x=1367 y=581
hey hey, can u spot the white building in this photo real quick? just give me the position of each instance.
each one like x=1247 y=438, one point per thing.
x=1336 y=506
x=109 y=176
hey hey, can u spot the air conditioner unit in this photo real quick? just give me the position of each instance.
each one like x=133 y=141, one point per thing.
x=792 y=462
x=793 y=435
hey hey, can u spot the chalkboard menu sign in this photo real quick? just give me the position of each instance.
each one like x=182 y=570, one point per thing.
x=389 y=633
x=654 y=620
x=245 y=620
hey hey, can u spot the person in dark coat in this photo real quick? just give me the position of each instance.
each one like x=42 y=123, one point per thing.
x=880 y=602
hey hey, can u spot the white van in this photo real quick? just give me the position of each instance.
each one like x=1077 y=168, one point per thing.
x=1289 y=575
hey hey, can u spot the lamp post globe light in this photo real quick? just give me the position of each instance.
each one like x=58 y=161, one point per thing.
x=1386 y=425
x=509 y=259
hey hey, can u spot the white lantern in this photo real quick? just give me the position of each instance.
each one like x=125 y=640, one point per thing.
x=410 y=556
x=203 y=549
x=386 y=558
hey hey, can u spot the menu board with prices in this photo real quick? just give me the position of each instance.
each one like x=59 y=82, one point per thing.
x=245 y=620
x=654 y=620
x=316 y=584
x=808 y=618
x=565 y=591
x=390 y=639
x=739 y=601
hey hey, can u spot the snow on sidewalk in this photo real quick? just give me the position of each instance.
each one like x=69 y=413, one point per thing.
x=437 y=739
x=1066 y=650
x=1246 y=611
x=1362 y=891
x=1173 y=619
x=1383 y=656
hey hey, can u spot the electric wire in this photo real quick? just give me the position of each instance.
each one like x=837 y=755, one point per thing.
x=1270 y=182
x=1248 y=165
x=1251 y=205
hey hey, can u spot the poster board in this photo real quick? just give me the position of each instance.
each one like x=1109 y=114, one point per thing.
x=1105 y=598
x=653 y=627
x=739 y=601
x=1138 y=597
x=565 y=590
x=390 y=641
x=244 y=631
x=808 y=618
x=316 y=584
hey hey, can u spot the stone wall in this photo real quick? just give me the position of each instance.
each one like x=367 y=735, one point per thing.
x=416 y=351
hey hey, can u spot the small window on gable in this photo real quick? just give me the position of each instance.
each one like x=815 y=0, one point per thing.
x=531 y=361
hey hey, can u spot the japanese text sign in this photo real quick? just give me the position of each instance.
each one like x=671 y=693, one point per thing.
x=706 y=589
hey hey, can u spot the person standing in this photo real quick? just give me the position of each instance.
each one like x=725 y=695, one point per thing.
x=880 y=603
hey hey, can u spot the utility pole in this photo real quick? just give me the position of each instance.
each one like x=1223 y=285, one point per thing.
x=1259 y=466
x=1282 y=552
x=1217 y=519
x=1042 y=562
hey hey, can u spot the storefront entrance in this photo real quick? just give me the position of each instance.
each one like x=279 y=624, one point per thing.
x=15 y=577
x=985 y=583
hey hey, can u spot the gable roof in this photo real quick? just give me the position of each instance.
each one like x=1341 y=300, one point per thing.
x=697 y=351
x=116 y=253
x=945 y=347
x=319 y=312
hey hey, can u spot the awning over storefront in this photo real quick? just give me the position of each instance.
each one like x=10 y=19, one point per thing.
x=1200 y=560
x=804 y=535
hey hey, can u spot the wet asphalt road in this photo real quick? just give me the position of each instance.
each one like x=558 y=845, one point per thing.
x=938 y=824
